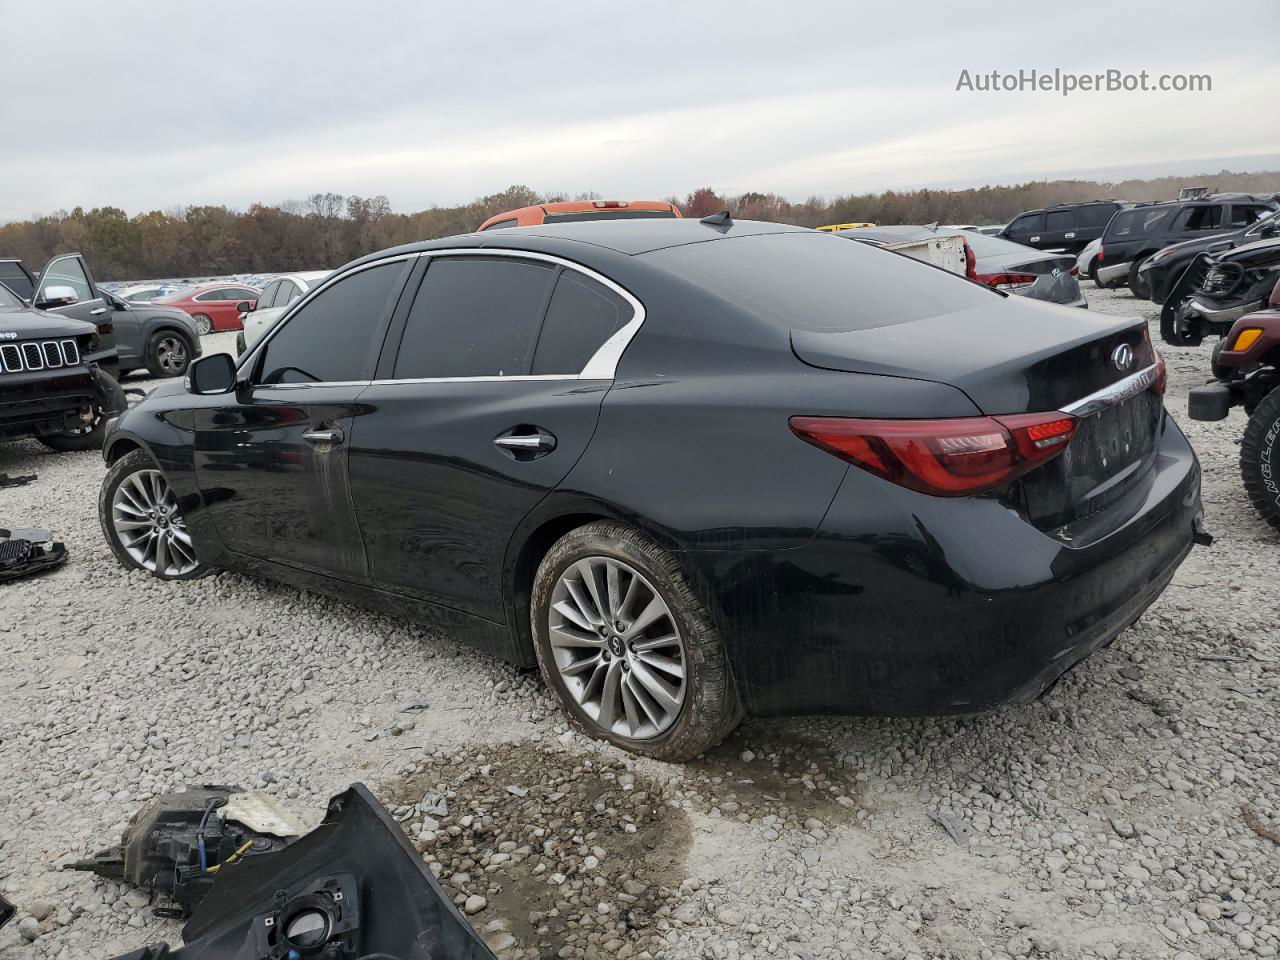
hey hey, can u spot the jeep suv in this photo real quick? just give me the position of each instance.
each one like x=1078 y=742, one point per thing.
x=1135 y=234
x=1068 y=226
x=53 y=385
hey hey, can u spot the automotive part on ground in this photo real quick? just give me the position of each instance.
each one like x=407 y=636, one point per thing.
x=22 y=481
x=27 y=551
x=353 y=887
x=6 y=911
x=179 y=842
x=111 y=396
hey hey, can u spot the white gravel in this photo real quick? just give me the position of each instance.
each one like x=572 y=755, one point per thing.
x=1104 y=821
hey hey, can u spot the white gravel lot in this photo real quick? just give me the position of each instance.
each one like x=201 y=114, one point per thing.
x=1104 y=821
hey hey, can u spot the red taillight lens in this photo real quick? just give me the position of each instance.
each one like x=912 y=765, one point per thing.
x=970 y=261
x=943 y=458
x=1100 y=253
x=1162 y=374
x=1006 y=281
x=1075 y=271
x=609 y=204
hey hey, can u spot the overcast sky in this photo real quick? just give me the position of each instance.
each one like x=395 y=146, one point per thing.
x=145 y=104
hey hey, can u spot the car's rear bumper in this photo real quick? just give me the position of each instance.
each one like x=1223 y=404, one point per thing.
x=1112 y=272
x=907 y=604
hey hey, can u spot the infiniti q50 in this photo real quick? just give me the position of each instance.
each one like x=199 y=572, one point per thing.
x=692 y=470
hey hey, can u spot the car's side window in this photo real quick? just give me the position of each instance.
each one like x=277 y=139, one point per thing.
x=336 y=336
x=1204 y=218
x=1243 y=215
x=1095 y=215
x=1025 y=225
x=289 y=292
x=266 y=298
x=583 y=314
x=474 y=316
x=1060 y=220
x=67 y=272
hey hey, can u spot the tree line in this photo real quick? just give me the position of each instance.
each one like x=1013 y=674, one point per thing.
x=328 y=229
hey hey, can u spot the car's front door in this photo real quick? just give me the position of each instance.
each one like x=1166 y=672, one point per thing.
x=271 y=458
x=68 y=272
x=492 y=397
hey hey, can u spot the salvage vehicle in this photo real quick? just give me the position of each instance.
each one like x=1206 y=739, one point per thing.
x=65 y=286
x=1135 y=234
x=1067 y=227
x=50 y=389
x=213 y=306
x=1246 y=366
x=692 y=469
x=162 y=340
x=997 y=263
x=572 y=211
x=1217 y=289
x=1160 y=271
x=257 y=317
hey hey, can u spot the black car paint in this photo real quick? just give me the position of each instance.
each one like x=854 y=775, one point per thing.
x=92 y=309
x=834 y=590
x=1172 y=228
x=1032 y=228
x=1163 y=268
x=136 y=323
x=1197 y=305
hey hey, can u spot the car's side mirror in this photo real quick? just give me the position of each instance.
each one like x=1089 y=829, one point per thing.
x=213 y=374
x=57 y=296
x=246 y=306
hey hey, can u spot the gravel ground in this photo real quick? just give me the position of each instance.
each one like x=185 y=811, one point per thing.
x=1104 y=821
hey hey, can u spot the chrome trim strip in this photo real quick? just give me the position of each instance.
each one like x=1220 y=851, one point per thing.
x=1114 y=393
x=603 y=364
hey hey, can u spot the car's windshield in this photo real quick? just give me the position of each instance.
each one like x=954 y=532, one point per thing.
x=8 y=298
x=820 y=283
x=1268 y=219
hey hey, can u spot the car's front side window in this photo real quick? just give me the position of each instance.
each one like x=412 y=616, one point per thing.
x=67 y=273
x=267 y=297
x=474 y=317
x=336 y=336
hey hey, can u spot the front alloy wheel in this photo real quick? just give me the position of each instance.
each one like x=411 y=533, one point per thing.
x=143 y=522
x=627 y=647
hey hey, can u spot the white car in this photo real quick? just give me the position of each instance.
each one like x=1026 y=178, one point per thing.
x=275 y=298
x=1086 y=263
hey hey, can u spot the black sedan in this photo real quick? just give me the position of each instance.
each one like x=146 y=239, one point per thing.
x=691 y=469
x=997 y=263
x=162 y=340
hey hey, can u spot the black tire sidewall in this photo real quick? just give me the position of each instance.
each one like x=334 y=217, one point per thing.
x=77 y=442
x=1135 y=280
x=130 y=463
x=695 y=729
x=153 y=360
x=1260 y=458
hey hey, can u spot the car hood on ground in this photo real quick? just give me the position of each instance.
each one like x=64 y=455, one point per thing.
x=27 y=322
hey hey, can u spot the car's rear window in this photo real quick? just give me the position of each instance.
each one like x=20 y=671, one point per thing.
x=820 y=283
x=612 y=213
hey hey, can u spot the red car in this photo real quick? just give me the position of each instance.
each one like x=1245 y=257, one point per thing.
x=213 y=306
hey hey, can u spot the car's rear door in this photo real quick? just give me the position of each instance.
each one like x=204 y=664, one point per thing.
x=481 y=411
x=271 y=457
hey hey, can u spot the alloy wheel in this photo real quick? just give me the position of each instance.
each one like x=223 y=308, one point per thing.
x=617 y=648
x=203 y=324
x=149 y=525
x=171 y=354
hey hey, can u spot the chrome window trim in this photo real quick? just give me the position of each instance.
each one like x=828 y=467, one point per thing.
x=1114 y=393
x=603 y=364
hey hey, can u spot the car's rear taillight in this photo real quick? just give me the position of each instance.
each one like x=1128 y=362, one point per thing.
x=970 y=261
x=943 y=458
x=1099 y=256
x=608 y=204
x=1162 y=374
x=1006 y=281
x=1075 y=271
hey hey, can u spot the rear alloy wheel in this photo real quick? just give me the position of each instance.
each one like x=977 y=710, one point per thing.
x=1260 y=458
x=627 y=648
x=168 y=354
x=142 y=521
x=203 y=324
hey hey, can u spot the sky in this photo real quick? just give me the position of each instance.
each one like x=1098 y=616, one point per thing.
x=145 y=105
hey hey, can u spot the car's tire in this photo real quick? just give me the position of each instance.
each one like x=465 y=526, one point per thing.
x=672 y=691
x=169 y=353
x=204 y=325
x=1191 y=338
x=1219 y=371
x=1093 y=275
x=1260 y=458
x=1137 y=285
x=88 y=437
x=143 y=523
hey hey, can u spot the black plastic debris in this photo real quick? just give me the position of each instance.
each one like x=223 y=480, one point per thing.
x=352 y=888
x=22 y=481
x=6 y=911
x=180 y=842
x=24 y=551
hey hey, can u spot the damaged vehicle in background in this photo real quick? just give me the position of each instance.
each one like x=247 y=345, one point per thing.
x=1160 y=271
x=52 y=384
x=1217 y=289
x=997 y=263
x=1247 y=367
x=162 y=340
x=692 y=469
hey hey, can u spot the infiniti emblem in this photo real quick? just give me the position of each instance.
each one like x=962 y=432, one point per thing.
x=1122 y=357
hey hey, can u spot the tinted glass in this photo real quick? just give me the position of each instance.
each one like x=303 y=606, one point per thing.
x=1203 y=218
x=1139 y=222
x=282 y=294
x=1094 y=215
x=821 y=283
x=474 y=317
x=1243 y=216
x=67 y=272
x=1060 y=220
x=267 y=298
x=289 y=292
x=609 y=214
x=15 y=278
x=336 y=336
x=8 y=298
x=1025 y=225
x=583 y=314
x=501 y=225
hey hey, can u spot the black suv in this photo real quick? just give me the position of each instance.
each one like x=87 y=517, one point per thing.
x=1067 y=226
x=56 y=355
x=1135 y=234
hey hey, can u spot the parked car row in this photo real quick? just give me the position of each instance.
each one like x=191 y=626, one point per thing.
x=637 y=453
